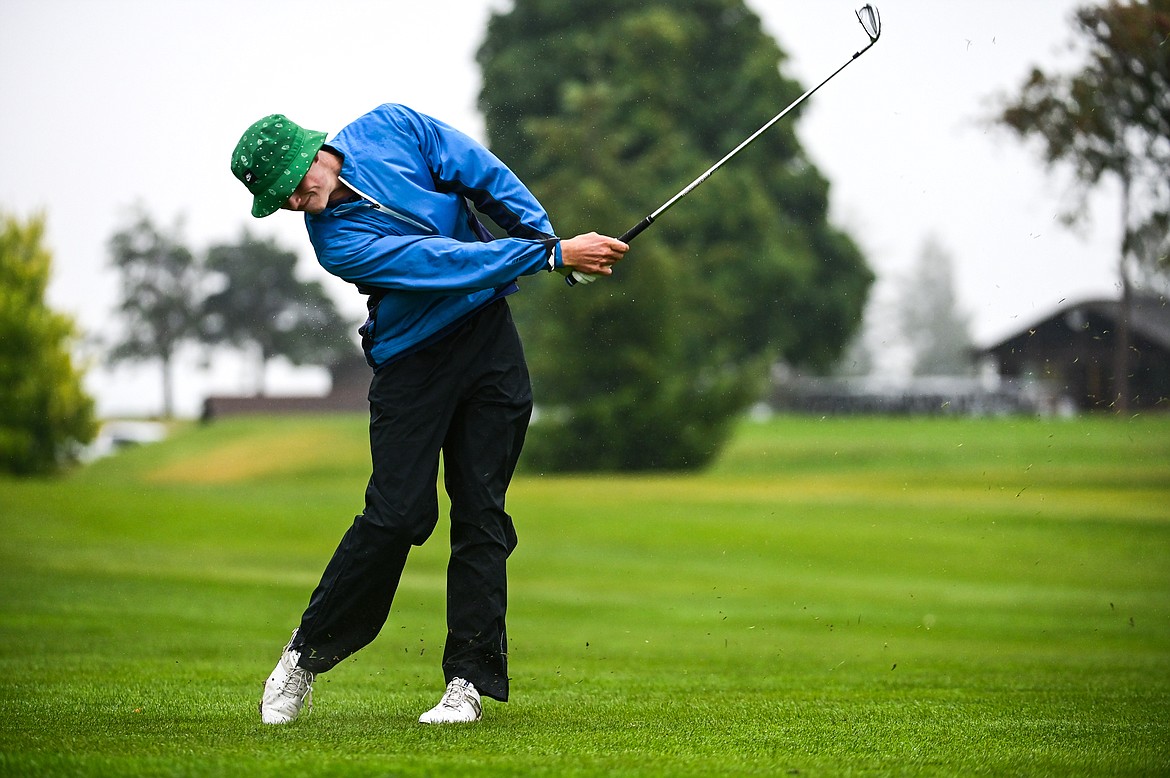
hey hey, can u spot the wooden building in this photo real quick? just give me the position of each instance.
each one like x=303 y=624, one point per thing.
x=1072 y=353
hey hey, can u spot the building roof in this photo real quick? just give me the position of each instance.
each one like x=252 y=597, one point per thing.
x=1149 y=318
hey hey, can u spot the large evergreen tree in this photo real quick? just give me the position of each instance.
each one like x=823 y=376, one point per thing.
x=606 y=109
x=45 y=413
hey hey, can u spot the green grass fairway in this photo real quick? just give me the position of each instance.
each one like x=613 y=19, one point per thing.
x=835 y=597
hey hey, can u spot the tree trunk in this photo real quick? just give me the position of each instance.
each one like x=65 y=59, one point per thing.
x=261 y=382
x=1124 y=307
x=168 y=387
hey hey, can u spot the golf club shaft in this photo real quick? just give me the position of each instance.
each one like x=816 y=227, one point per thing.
x=637 y=229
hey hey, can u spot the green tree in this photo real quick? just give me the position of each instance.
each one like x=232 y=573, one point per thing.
x=931 y=319
x=45 y=414
x=159 y=297
x=1111 y=119
x=605 y=109
x=261 y=304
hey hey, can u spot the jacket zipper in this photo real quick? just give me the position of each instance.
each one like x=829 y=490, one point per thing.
x=393 y=212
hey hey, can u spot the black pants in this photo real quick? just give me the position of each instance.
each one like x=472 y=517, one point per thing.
x=469 y=396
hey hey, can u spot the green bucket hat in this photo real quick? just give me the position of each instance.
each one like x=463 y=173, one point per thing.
x=271 y=159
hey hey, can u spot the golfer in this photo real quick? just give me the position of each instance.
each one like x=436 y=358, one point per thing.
x=386 y=207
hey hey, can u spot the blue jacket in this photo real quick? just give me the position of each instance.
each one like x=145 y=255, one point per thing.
x=411 y=242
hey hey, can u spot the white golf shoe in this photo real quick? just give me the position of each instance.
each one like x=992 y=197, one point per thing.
x=460 y=705
x=287 y=690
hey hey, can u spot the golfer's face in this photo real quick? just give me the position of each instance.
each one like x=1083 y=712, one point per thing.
x=312 y=194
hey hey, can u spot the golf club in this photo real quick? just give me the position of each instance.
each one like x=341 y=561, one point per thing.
x=870 y=22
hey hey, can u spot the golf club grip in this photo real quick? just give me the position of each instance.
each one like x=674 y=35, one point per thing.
x=636 y=230
x=626 y=237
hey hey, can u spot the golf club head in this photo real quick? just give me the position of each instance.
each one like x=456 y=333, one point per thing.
x=871 y=22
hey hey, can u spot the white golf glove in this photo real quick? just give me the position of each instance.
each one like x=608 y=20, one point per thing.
x=574 y=277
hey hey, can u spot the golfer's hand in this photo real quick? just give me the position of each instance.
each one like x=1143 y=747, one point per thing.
x=592 y=254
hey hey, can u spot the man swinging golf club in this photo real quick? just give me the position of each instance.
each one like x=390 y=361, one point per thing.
x=386 y=208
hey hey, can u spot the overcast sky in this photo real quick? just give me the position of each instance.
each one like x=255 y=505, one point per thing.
x=112 y=103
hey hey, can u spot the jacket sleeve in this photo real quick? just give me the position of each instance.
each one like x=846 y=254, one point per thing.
x=429 y=263
x=461 y=165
